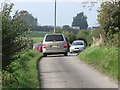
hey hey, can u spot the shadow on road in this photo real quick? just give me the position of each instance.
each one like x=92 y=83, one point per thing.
x=56 y=55
x=61 y=55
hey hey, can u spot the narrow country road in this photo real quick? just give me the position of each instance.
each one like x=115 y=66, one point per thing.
x=58 y=71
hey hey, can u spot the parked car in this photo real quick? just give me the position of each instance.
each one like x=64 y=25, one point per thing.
x=37 y=46
x=77 y=46
x=55 y=44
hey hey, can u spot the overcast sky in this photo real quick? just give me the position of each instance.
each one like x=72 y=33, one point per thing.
x=44 y=11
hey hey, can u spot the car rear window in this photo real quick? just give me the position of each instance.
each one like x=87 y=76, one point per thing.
x=77 y=43
x=54 y=38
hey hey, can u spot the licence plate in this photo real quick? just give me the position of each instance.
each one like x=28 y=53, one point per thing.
x=55 y=46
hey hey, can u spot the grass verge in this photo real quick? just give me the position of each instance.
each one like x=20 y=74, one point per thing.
x=103 y=58
x=23 y=73
x=0 y=80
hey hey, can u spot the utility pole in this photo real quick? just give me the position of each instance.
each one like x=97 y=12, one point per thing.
x=55 y=17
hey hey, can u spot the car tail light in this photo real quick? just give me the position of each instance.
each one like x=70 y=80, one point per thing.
x=44 y=46
x=65 y=45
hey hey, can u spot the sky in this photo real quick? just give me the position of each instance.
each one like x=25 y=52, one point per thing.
x=44 y=11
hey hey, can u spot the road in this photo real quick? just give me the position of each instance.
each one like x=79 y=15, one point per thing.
x=58 y=71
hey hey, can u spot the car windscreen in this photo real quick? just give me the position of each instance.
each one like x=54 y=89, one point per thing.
x=54 y=38
x=77 y=43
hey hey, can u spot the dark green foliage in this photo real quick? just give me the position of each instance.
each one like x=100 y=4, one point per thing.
x=80 y=21
x=47 y=28
x=112 y=40
x=13 y=35
x=44 y=28
x=108 y=17
x=70 y=36
x=28 y=18
x=0 y=42
x=67 y=28
x=84 y=35
x=23 y=72
x=58 y=29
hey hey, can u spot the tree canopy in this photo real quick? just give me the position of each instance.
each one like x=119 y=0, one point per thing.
x=13 y=34
x=28 y=18
x=80 y=21
x=109 y=17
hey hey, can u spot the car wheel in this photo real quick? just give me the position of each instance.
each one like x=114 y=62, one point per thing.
x=65 y=54
x=45 y=55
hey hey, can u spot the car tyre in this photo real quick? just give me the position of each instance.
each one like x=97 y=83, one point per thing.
x=45 y=55
x=66 y=54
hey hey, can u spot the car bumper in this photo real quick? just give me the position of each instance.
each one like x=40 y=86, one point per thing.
x=75 y=50
x=59 y=51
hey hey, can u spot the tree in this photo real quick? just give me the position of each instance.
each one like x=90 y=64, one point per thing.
x=70 y=36
x=67 y=28
x=83 y=35
x=80 y=21
x=13 y=35
x=47 y=28
x=29 y=19
x=0 y=41
x=108 y=17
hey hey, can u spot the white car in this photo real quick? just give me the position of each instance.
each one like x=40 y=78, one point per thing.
x=77 y=46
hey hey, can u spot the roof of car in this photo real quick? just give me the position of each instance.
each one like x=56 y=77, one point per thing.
x=55 y=34
x=78 y=41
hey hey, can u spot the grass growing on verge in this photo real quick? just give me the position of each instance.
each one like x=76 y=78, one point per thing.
x=23 y=71
x=103 y=58
x=0 y=80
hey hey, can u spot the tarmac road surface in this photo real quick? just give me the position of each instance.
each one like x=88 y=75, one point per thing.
x=59 y=71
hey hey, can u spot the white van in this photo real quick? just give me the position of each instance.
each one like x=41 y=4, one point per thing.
x=55 y=44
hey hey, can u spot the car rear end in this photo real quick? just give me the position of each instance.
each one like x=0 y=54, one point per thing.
x=77 y=46
x=37 y=46
x=54 y=44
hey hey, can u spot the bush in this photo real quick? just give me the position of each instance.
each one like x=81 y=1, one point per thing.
x=84 y=35
x=112 y=41
x=23 y=73
x=13 y=35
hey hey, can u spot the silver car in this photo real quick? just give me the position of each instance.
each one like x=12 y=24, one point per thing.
x=77 y=46
x=55 y=44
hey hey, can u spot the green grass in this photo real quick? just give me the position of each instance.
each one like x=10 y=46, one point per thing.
x=0 y=80
x=37 y=39
x=23 y=71
x=103 y=58
x=38 y=34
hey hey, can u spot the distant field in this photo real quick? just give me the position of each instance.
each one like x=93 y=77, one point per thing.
x=37 y=39
x=38 y=34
